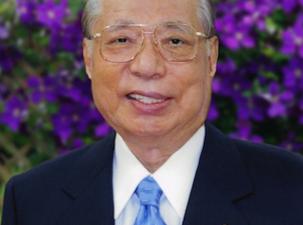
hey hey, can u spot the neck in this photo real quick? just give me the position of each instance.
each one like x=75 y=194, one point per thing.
x=153 y=152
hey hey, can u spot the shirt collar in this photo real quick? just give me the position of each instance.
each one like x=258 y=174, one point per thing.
x=127 y=174
x=175 y=176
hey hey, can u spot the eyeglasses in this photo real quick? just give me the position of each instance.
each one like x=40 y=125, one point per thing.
x=176 y=42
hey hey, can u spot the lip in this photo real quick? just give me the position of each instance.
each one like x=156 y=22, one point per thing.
x=153 y=104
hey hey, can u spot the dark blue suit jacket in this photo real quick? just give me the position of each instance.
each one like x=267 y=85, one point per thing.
x=237 y=183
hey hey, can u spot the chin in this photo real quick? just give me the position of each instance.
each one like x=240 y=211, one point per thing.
x=146 y=130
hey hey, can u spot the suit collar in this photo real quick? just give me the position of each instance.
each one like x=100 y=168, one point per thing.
x=221 y=180
x=90 y=164
x=89 y=186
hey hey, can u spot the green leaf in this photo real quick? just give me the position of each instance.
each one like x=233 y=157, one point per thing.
x=271 y=26
x=271 y=75
x=7 y=8
x=76 y=6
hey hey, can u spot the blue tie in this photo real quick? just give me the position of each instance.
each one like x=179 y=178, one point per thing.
x=149 y=193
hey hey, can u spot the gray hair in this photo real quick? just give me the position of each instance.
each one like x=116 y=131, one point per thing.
x=93 y=9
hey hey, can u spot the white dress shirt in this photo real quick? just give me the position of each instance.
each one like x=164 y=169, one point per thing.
x=175 y=177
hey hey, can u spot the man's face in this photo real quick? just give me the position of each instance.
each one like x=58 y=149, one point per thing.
x=148 y=96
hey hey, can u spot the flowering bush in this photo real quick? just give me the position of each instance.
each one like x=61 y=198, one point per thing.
x=45 y=100
x=258 y=90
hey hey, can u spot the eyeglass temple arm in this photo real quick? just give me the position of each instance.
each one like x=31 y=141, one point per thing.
x=200 y=34
x=91 y=37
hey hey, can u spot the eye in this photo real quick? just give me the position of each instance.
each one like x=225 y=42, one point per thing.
x=121 y=40
x=124 y=40
x=176 y=41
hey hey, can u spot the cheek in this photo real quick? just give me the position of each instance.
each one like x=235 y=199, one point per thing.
x=105 y=83
x=194 y=88
x=194 y=79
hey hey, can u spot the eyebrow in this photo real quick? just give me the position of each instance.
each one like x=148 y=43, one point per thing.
x=123 y=21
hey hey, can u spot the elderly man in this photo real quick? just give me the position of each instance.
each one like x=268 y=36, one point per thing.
x=151 y=64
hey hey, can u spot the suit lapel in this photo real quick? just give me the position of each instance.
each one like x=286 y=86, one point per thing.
x=89 y=187
x=220 y=181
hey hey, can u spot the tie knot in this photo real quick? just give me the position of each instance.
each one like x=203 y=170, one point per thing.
x=149 y=192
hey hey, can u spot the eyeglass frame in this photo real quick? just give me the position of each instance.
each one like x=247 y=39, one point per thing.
x=99 y=35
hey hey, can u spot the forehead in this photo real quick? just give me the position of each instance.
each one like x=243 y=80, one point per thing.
x=149 y=11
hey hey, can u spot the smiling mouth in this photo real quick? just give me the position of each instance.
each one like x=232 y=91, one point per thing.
x=148 y=100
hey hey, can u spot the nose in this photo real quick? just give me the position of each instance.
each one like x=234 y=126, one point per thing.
x=148 y=63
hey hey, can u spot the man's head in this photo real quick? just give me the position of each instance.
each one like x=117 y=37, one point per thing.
x=150 y=94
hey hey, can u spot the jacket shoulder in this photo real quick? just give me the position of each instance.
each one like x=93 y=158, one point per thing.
x=271 y=163
x=268 y=151
x=56 y=171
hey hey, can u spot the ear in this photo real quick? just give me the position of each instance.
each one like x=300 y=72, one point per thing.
x=213 y=55
x=87 y=55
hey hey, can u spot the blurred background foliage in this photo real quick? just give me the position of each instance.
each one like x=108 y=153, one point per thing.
x=45 y=100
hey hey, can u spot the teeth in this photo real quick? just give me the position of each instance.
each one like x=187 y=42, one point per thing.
x=145 y=100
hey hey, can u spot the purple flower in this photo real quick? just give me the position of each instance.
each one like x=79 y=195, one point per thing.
x=244 y=132
x=3 y=91
x=256 y=12
x=234 y=34
x=78 y=143
x=216 y=85
x=70 y=121
x=102 y=130
x=289 y=5
x=291 y=142
x=15 y=112
x=301 y=104
x=293 y=38
x=64 y=120
x=51 y=14
x=293 y=74
x=67 y=37
x=74 y=90
x=26 y=10
x=251 y=108
x=300 y=110
x=74 y=145
x=213 y=112
x=4 y=33
x=226 y=67
x=277 y=109
x=41 y=90
x=8 y=57
x=279 y=100
x=237 y=21
x=62 y=127
x=232 y=84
